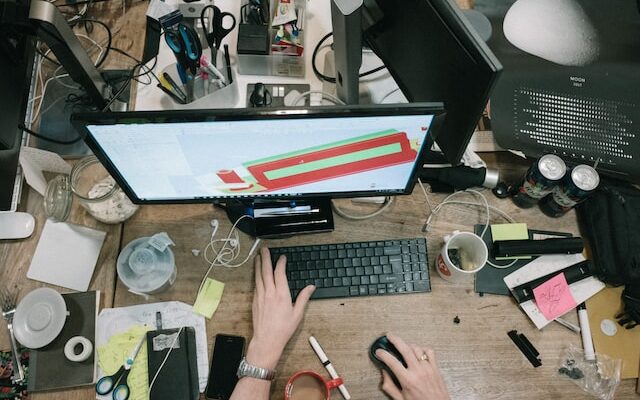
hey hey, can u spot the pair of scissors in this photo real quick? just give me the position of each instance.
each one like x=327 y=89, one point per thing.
x=185 y=44
x=117 y=383
x=218 y=31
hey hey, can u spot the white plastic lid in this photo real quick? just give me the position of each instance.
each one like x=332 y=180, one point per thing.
x=145 y=269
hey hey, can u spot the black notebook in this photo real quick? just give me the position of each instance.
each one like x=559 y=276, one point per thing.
x=178 y=378
x=48 y=367
x=491 y=280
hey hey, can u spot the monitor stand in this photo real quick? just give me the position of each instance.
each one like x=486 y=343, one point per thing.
x=281 y=218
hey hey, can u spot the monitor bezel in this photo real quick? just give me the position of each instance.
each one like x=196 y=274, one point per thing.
x=81 y=120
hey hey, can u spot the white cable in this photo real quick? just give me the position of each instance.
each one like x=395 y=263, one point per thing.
x=228 y=253
x=325 y=95
x=165 y=359
x=387 y=202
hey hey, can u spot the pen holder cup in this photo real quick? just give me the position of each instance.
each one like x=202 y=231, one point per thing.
x=224 y=97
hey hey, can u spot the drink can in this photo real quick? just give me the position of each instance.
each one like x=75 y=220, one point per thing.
x=574 y=189
x=539 y=180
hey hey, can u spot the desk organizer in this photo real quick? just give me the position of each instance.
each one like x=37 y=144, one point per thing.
x=226 y=97
x=276 y=64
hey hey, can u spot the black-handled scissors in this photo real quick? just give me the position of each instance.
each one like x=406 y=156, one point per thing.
x=218 y=31
x=117 y=383
x=185 y=44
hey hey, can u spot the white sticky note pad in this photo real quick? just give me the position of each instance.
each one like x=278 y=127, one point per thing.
x=66 y=255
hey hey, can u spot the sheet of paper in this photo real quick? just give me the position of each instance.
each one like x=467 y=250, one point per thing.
x=510 y=232
x=175 y=314
x=159 y=8
x=35 y=161
x=209 y=298
x=112 y=355
x=553 y=297
x=66 y=255
x=545 y=265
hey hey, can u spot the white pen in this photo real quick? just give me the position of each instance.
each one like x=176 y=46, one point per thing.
x=585 y=330
x=328 y=366
x=205 y=63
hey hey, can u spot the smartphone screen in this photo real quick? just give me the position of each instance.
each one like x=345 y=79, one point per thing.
x=227 y=354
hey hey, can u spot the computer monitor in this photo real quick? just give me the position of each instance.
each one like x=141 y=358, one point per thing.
x=246 y=155
x=16 y=62
x=434 y=54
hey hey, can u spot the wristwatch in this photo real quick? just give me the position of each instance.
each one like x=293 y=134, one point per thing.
x=246 y=369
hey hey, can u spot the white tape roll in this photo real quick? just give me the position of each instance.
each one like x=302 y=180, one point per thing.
x=70 y=352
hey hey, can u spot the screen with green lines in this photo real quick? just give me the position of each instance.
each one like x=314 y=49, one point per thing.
x=268 y=157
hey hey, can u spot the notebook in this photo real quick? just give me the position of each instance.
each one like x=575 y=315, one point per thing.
x=490 y=279
x=178 y=378
x=48 y=367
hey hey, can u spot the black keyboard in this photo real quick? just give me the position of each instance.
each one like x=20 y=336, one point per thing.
x=357 y=269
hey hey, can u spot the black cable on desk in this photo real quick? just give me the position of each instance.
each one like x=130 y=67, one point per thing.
x=329 y=78
x=48 y=139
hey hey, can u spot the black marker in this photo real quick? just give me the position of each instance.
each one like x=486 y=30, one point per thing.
x=227 y=61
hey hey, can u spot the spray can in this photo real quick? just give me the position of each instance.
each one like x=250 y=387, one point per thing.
x=539 y=180
x=573 y=189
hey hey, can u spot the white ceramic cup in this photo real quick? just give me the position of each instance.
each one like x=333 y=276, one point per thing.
x=470 y=244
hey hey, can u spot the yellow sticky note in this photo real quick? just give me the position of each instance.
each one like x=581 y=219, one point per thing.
x=112 y=356
x=510 y=232
x=208 y=298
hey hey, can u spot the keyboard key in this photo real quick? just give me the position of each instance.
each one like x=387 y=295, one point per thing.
x=374 y=279
x=359 y=271
x=368 y=270
x=373 y=289
x=390 y=278
x=364 y=280
x=353 y=291
x=363 y=290
x=355 y=280
x=377 y=269
x=346 y=281
x=328 y=282
x=392 y=250
x=421 y=286
x=324 y=293
x=337 y=281
x=350 y=271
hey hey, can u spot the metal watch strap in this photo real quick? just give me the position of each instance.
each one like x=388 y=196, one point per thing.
x=252 y=371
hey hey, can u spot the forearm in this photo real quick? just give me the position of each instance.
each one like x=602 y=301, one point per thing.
x=251 y=389
x=262 y=356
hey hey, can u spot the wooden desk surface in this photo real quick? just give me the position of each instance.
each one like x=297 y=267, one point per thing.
x=478 y=360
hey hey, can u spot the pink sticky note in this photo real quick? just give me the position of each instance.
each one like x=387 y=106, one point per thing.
x=554 y=297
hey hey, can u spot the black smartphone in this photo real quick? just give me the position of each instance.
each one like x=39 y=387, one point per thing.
x=227 y=354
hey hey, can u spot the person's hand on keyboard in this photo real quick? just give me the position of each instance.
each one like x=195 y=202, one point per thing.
x=275 y=317
x=420 y=380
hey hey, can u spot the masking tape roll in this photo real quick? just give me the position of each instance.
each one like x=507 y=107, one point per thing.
x=69 y=349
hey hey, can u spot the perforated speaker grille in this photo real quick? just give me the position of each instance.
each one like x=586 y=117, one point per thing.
x=582 y=127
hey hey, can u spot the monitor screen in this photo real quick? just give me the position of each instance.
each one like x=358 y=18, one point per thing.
x=199 y=156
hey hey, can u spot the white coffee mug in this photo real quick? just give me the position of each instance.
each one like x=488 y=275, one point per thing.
x=472 y=256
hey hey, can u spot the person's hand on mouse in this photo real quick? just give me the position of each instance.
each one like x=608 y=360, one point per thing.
x=420 y=380
x=275 y=317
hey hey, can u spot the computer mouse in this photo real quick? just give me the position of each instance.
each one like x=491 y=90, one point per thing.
x=383 y=343
x=16 y=225
x=260 y=97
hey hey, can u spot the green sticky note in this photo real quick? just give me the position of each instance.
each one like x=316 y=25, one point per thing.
x=510 y=232
x=208 y=298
